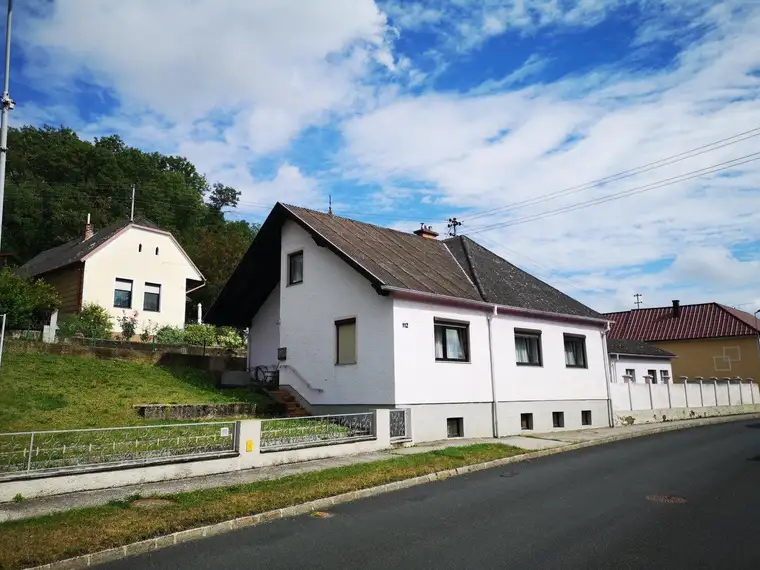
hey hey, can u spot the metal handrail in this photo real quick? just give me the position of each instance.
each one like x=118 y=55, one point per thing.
x=300 y=376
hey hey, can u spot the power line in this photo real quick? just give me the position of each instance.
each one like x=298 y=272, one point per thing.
x=625 y=174
x=625 y=193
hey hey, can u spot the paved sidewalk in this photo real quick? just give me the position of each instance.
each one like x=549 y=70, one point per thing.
x=46 y=505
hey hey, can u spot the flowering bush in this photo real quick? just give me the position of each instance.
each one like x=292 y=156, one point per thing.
x=128 y=324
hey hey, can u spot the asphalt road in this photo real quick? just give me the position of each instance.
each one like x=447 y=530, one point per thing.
x=580 y=509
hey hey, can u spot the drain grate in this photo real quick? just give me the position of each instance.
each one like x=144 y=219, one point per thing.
x=507 y=474
x=666 y=499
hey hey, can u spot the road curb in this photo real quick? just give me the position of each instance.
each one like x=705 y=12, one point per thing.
x=88 y=560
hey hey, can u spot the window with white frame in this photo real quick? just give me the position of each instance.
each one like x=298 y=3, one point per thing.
x=345 y=341
x=152 y=297
x=630 y=374
x=575 y=351
x=665 y=376
x=452 y=342
x=122 y=294
x=528 y=347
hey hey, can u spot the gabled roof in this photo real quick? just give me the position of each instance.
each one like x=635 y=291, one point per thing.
x=706 y=320
x=636 y=348
x=75 y=250
x=390 y=260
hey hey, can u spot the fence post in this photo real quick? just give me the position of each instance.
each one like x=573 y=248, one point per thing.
x=686 y=391
x=701 y=395
x=651 y=401
x=715 y=386
x=741 y=392
x=2 y=338
x=630 y=397
x=728 y=387
x=29 y=459
x=670 y=401
x=752 y=391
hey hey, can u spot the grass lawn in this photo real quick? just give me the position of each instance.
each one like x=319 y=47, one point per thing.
x=46 y=539
x=44 y=392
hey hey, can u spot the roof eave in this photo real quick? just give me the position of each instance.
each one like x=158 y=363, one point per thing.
x=425 y=296
x=660 y=356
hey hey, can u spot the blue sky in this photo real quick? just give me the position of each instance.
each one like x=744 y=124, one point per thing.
x=412 y=111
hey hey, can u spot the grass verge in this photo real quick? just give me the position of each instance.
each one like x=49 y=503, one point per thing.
x=44 y=391
x=63 y=535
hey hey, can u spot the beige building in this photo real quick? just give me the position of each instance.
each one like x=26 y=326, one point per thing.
x=709 y=340
x=127 y=267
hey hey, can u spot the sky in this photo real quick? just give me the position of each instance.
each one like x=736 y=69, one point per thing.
x=609 y=147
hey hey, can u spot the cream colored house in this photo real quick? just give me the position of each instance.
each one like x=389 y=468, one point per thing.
x=127 y=267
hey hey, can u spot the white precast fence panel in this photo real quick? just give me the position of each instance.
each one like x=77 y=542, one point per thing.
x=294 y=433
x=660 y=397
x=678 y=396
x=619 y=394
x=722 y=388
x=694 y=395
x=640 y=396
x=735 y=393
x=28 y=453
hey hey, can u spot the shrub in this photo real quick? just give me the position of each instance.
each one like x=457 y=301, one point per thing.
x=93 y=321
x=229 y=338
x=25 y=301
x=200 y=335
x=128 y=324
x=146 y=335
x=170 y=335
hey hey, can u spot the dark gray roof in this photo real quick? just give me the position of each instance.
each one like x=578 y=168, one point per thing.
x=73 y=251
x=456 y=267
x=636 y=348
x=502 y=283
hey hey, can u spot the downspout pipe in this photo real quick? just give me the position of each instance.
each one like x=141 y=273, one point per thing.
x=610 y=417
x=494 y=403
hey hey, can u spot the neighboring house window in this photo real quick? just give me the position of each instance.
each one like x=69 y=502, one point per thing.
x=665 y=376
x=345 y=350
x=152 y=297
x=528 y=347
x=295 y=268
x=452 y=341
x=631 y=373
x=122 y=294
x=652 y=375
x=575 y=351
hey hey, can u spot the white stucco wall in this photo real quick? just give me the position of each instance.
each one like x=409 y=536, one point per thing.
x=264 y=332
x=642 y=366
x=121 y=259
x=330 y=291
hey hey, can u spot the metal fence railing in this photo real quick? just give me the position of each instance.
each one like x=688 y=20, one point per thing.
x=79 y=450
x=293 y=433
x=400 y=424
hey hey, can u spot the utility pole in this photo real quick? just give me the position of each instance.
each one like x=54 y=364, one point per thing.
x=7 y=105
x=453 y=225
x=638 y=300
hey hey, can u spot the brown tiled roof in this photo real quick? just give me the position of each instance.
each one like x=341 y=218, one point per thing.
x=707 y=320
x=457 y=267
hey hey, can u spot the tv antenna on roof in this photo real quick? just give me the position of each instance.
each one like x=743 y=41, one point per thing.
x=453 y=225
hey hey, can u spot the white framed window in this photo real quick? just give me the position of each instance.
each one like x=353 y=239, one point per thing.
x=631 y=374
x=575 y=351
x=152 y=297
x=652 y=376
x=122 y=294
x=665 y=376
x=452 y=341
x=528 y=348
x=345 y=341
x=295 y=268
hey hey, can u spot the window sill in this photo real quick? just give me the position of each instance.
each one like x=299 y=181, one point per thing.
x=122 y=308
x=529 y=364
x=576 y=366
x=446 y=360
x=295 y=283
x=151 y=311
x=346 y=363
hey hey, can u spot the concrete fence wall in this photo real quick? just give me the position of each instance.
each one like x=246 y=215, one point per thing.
x=645 y=403
x=248 y=456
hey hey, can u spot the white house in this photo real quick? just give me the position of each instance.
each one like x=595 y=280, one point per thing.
x=639 y=361
x=125 y=267
x=360 y=317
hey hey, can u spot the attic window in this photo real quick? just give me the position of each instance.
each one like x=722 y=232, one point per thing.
x=156 y=251
x=295 y=268
x=139 y=247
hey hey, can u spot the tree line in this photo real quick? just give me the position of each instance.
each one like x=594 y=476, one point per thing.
x=54 y=179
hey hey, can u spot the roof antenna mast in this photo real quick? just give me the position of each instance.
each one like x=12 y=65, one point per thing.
x=132 y=213
x=453 y=225
x=638 y=300
x=329 y=201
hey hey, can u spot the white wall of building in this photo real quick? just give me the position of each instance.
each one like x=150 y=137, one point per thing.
x=264 y=332
x=641 y=366
x=121 y=258
x=330 y=291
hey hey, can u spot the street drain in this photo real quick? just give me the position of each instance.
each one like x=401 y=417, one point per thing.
x=321 y=514
x=150 y=503
x=665 y=499
x=507 y=474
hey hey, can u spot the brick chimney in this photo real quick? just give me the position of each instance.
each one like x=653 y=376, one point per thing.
x=676 y=308
x=88 y=230
x=426 y=232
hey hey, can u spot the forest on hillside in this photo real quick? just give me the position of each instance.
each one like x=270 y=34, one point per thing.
x=54 y=179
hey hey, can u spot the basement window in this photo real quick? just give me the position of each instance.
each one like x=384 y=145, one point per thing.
x=526 y=421
x=558 y=419
x=586 y=417
x=455 y=427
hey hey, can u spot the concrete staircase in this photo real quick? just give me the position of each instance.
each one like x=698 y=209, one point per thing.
x=294 y=409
